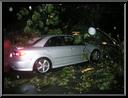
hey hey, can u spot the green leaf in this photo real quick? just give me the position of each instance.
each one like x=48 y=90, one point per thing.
x=29 y=22
x=50 y=8
x=55 y=32
x=41 y=24
x=27 y=29
x=24 y=12
x=19 y=16
x=36 y=16
x=78 y=39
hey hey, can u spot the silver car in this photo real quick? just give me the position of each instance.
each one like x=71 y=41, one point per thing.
x=53 y=51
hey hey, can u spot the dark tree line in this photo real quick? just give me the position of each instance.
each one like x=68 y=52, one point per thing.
x=67 y=17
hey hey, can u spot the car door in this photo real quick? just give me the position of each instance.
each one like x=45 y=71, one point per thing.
x=57 y=50
x=76 y=50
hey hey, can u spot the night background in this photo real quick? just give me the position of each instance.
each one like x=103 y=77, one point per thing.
x=22 y=21
x=102 y=15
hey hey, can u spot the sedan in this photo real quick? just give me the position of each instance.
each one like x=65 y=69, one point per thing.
x=51 y=51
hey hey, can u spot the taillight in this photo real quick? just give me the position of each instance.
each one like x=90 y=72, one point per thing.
x=17 y=53
x=21 y=53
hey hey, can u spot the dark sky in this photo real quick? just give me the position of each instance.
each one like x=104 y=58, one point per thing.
x=9 y=18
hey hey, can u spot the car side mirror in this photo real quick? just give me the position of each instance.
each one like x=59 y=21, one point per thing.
x=92 y=31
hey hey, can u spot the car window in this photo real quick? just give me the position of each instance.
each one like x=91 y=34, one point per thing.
x=68 y=40
x=55 y=41
x=77 y=40
x=33 y=41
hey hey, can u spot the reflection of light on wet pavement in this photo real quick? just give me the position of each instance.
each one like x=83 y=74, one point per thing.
x=87 y=69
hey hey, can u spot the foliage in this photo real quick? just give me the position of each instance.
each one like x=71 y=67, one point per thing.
x=66 y=17
x=44 y=15
x=43 y=19
x=22 y=13
x=84 y=79
x=78 y=39
x=101 y=78
x=65 y=76
x=84 y=55
x=55 y=32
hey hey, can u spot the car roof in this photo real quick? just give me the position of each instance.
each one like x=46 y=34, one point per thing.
x=49 y=36
x=44 y=38
x=54 y=35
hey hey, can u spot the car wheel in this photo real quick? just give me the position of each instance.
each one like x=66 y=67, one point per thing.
x=42 y=65
x=95 y=56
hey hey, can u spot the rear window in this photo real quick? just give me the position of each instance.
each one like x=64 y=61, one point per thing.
x=33 y=41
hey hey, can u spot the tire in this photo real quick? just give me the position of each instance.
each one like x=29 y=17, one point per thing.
x=95 y=56
x=42 y=65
